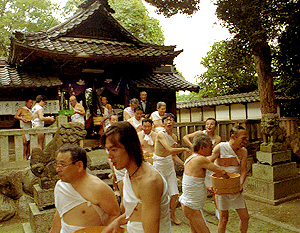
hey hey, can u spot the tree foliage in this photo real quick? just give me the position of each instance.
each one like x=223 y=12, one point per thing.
x=26 y=16
x=230 y=70
x=132 y=15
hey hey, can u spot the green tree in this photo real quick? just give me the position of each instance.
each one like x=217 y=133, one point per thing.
x=256 y=23
x=133 y=16
x=230 y=70
x=26 y=16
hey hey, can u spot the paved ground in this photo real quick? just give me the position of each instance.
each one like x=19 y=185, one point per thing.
x=284 y=218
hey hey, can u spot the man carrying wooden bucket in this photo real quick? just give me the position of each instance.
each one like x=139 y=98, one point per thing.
x=232 y=157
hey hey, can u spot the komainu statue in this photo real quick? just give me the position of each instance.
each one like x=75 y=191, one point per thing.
x=272 y=132
x=42 y=163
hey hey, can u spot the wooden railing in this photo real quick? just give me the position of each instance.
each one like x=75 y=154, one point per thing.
x=253 y=128
x=11 y=142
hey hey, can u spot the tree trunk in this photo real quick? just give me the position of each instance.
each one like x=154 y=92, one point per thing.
x=262 y=59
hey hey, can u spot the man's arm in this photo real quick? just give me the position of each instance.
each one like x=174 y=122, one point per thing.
x=40 y=114
x=215 y=153
x=114 y=226
x=170 y=150
x=56 y=225
x=244 y=155
x=150 y=193
x=17 y=116
x=79 y=109
x=108 y=202
x=125 y=116
x=218 y=139
x=189 y=138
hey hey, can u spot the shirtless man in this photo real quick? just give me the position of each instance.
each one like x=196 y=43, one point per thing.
x=129 y=111
x=38 y=120
x=106 y=111
x=156 y=116
x=79 y=113
x=111 y=120
x=24 y=116
x=81 y=200
x=193 y=187
x=210 y=127
x=145 y=193
x=136 y=121
x=232 y=157
x=147 y=138
x=165 y=152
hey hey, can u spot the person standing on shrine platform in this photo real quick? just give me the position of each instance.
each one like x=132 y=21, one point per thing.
x=24 y=116
x=146 y=106
x=38 y=119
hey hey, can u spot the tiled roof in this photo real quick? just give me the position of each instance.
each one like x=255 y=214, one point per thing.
x=167 y=81
x=10 y=77
x=65 y=40
x=226 y=99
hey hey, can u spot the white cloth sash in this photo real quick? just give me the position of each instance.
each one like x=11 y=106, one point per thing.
x=148 y=138
x=169 y=138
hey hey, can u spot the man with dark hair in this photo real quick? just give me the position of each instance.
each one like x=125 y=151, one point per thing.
x=37 y=118
x=232 y=157
x=145 y=193
x=81 y=200
x=24 y=116
x=136 y=121
x=210 y=127
x=165 y=152
x=147 y=138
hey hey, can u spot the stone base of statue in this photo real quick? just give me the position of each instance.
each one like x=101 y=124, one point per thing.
x=275 y=179
x=41 y=211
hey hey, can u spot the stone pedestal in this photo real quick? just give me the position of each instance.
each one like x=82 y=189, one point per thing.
x=41 y=212
x=275 y=178
x=43 y=197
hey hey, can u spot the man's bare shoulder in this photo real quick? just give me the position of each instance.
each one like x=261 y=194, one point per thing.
x=154 y=134
x=151 y=180
x=97 y=184
x=243 y=152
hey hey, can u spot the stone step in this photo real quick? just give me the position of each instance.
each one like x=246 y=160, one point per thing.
x=26 y=227
x=102 y=174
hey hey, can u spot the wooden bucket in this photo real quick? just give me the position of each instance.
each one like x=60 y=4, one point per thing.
x=97 y=229
x=98 y=120
x=223 y=186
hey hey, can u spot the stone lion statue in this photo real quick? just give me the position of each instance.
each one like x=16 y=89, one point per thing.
x=42 y=163
x=272 y=132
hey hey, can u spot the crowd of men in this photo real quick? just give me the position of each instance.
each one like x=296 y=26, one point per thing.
x=142 y=150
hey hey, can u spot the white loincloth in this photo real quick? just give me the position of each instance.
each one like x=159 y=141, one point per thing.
x=129 y=111
x=36 y=122
x=106 y=114
x=66 y=198
x=148 y=138
x=230 y=201
x=194 y=192
x=78 y=118
x=158 y=129
x=165 y=166
x=130 y=202
x=26 y=125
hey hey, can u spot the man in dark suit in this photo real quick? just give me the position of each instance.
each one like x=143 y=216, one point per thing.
x=146 y=106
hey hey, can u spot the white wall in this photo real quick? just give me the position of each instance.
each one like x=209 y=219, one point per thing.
x=208 y=112
x=185 y=115
x=254 y=110
x=222 y=113
x=238 y=111
x=196 y=114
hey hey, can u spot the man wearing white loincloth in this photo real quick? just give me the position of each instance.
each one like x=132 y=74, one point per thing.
x=81 y=200
x=232 y=157
x=193 y=187
x=165 y=154
x=129 y=111
x=145 y=193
